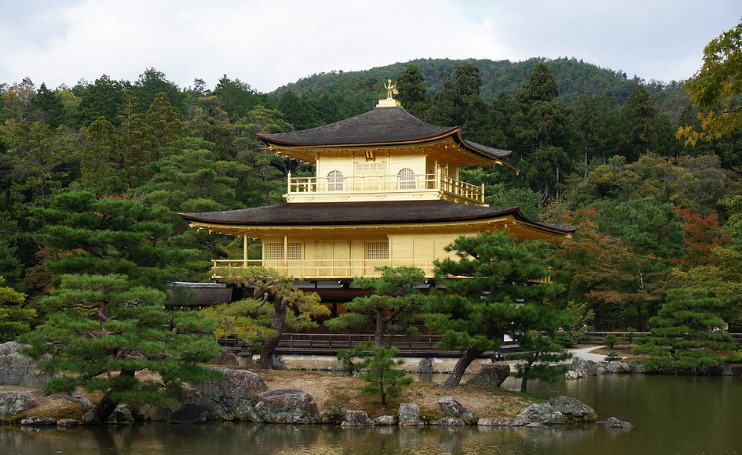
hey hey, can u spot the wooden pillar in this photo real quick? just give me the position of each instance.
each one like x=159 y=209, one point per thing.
x=286 y=254
x=245 y=244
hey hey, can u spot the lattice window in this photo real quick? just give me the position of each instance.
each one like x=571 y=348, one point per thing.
x=377 y=250
x=335 y=181
x=370 y=168
x=406 y=179
x=273 y=251
x=295 y=251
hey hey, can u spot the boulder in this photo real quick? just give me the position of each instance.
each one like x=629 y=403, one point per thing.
x=616 y=423
x=37 y=421
x=122 y=414
x=356 y=419
x=287 y=406
x=68 y=423
x=584 y=367
x=539 y=414
x=572 y=374
x=385 y=420
x=617 y=367
x=231 y=397
x=578 y=363
x=425 y=366
x=226 y=357
x=12 y=403
x=492 y=375
x=18 y=369
x=82 y=399
x=495 y=422
x=449 y=422
x=409 y=415
x=572 y=409
x=189 y=413
x=453 y=408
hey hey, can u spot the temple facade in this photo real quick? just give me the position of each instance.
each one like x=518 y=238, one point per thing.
x=386 y=192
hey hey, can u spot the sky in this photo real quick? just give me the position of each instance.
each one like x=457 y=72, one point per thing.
x=270 y=43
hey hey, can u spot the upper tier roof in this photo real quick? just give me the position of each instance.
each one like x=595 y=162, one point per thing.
x=383 y=126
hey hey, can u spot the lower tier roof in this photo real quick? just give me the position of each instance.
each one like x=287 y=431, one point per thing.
x=353 y=213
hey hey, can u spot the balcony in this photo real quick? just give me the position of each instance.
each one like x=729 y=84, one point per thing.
x=383 y=187
x=345 y=269
x=323 y=268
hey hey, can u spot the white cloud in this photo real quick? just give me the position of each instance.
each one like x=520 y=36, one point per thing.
x=268 y=44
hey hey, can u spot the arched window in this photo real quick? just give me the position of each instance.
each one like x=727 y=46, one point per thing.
x=406 y=179
x=335 y=181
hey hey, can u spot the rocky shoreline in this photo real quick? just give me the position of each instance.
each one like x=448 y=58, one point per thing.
x=244 y=396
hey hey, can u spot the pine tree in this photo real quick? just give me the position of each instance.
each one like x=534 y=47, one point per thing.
x=687 y=333
x=492 y=279
x=106 y=331
x=14 y=318
x=276 y=303
x=394 y=304
x=85 y=233
x=412 y=92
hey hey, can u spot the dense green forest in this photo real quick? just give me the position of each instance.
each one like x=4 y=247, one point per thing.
x=92 y=176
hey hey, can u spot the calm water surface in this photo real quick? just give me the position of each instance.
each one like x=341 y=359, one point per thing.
x=671 y=415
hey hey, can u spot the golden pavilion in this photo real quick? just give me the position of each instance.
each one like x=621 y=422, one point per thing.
x=386 y=192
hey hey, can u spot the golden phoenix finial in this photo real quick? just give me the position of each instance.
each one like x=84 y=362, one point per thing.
x=390 y=89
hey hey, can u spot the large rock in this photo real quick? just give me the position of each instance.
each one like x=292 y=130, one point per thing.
x=12 y=403
x=539 y=414
x=231 y=397
x=189 y=413
x=18 y=369
x=37 y=421
x=449 y=422
x=287 y=406
x=614 y=422
x=425 y=366
x=68 y=423
x=572 y=409
x=584 y=367
x=495 y=421
x=356 y=419
x=385 y=420
x=453 y=408
x=615 y=366
x=578 y=363
x=122 y=414
x=409 y=415
x=491 y=375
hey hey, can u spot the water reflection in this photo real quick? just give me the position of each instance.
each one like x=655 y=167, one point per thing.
x=225 y=439
x=672 y=415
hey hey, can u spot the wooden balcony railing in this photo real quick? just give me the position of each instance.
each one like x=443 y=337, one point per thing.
x=386 y=184
x=324 y=268
x=333 y=269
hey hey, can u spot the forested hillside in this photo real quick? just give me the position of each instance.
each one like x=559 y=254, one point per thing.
x=92 y=176
x=573 y=79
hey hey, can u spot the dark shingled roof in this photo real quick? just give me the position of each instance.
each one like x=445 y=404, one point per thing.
x=349 y=213
x=381 y=126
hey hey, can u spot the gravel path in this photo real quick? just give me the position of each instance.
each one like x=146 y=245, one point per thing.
x=586 y=353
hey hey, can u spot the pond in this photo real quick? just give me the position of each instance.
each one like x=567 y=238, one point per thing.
x=671 y=415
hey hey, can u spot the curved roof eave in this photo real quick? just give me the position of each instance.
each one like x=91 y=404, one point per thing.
x=383 y=126
x=357 y=213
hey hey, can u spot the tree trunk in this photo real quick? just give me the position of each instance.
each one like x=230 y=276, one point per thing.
x=524 y=379
x=379 y=330
x=107 y=405
x=458 y=370
x=279 y=317
x=104 y=409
